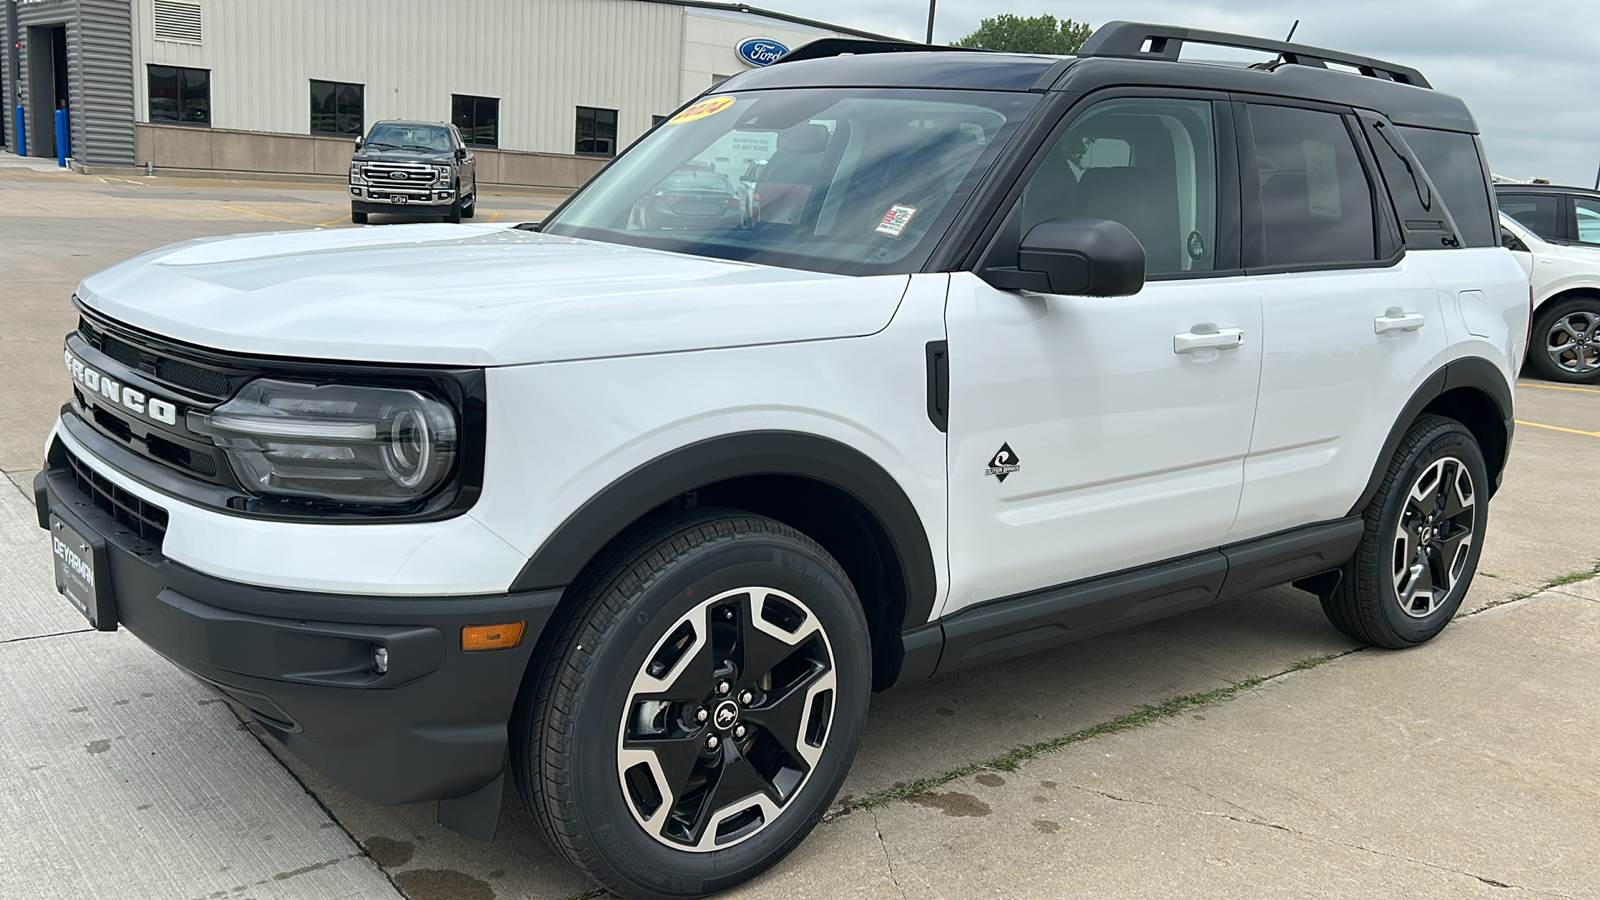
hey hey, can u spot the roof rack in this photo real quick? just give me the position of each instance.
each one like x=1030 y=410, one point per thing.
x=1135 y=40
x=826 y=47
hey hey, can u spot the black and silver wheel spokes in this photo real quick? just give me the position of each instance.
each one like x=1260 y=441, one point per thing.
x=1433 y=539
x=1573 y=342
x=726 y=719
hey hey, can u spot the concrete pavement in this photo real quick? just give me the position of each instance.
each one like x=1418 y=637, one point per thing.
x=1441 y=771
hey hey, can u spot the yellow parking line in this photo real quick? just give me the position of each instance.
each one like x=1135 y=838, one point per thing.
x=493 y=217
x=333 y=221
x=1559 y=428
x=1558 y=387
x=265 y=216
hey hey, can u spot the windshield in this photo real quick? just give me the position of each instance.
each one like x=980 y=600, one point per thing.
x=410 y=137
x=848 y=181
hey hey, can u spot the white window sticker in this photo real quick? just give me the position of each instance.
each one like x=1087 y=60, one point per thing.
x=894 y=221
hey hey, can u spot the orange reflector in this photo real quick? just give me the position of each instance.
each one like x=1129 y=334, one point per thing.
x=493 y=637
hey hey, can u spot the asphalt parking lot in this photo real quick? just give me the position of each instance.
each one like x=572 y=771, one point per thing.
x=1244 y=750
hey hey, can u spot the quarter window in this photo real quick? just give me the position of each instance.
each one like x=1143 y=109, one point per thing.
x=1315 y=202
x=597 y=132
x=180 y=96
x=1455 y=168
x=1148 y=164
x=477 y=118
x=1539 y=213
x=337 y=108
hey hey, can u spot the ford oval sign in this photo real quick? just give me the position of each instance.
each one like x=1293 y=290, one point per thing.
x=761 y=51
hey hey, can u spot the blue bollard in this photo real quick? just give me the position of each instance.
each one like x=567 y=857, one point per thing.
x=63 y=138
x=22 y=132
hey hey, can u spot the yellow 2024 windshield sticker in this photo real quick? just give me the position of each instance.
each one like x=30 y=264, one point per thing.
x=707 y=107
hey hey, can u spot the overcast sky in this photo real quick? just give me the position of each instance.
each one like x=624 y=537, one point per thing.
x=1529 y=69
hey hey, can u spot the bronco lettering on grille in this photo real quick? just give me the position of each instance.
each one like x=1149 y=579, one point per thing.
x=119 y=394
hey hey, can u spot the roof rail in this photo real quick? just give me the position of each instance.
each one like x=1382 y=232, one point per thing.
x=826 y=47
x=1135 y=40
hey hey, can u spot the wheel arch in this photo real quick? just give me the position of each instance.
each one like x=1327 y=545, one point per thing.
x=829 y=491
x=1566 y=292
x=1471 y=391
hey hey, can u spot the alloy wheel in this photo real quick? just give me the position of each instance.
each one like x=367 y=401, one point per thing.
x=1433 y=539
x=1573 y=342
x=726 y=719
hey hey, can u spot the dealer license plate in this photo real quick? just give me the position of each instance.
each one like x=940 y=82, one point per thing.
x=76 y=575
x=399 y=199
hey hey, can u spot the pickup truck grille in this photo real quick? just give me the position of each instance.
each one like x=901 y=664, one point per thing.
x=399 y=175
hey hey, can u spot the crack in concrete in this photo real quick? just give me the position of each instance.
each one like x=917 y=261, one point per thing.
x=1253 y=819
x=40 y=637
x=887 y=859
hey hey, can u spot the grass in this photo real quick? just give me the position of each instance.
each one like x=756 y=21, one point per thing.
x=1010 y=760
x=1573 y=577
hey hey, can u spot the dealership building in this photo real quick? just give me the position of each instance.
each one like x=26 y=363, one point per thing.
x=546 y=90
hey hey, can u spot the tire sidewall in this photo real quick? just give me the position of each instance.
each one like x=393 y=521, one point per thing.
x=596 y=801
x=1449 y=439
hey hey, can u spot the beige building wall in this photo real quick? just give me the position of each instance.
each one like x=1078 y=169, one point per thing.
x=711 y=38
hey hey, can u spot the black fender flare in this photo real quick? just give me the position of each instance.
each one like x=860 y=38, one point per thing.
x=1473 y=373
x=563 y=555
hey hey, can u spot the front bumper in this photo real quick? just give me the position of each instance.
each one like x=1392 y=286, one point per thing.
x=301 y=663
x=386 y=199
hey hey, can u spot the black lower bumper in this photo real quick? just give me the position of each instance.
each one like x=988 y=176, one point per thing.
x=411 y=208
x=433 y=726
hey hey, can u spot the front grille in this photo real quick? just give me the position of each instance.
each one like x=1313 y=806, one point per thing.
x=146 y=520
x=399 y=175
x=157 y=362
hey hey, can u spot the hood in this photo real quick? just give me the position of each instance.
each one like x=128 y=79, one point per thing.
x=432 y=157
x=477 y=295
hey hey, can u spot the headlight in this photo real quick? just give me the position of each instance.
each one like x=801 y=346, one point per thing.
x=344 y=443
x=355 y=174
x=444 y=174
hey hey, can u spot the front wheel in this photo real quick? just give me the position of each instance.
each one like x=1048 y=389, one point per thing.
x=1424 y=532
x=1565 y=343
x=471 y=207
x=698 y=708
x=454 y=215
x=358 y=217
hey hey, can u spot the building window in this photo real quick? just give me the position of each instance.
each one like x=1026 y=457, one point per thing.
x=336 y=108
x=477 y=118
x=180 y=96
x=597 y=132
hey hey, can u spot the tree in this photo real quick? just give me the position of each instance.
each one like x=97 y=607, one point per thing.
x=1038 y=34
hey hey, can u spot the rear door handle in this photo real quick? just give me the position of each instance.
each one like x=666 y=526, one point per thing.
x=1214 y=339
x=1396 y=319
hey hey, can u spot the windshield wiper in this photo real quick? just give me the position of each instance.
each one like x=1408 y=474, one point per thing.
x=381 y=144
x=422 y=148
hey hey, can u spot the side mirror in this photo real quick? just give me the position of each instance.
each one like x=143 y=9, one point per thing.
x=359 y=142
x=1082 y=257
x=461 y=153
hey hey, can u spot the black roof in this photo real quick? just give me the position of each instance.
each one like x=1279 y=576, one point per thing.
x=1113 y=56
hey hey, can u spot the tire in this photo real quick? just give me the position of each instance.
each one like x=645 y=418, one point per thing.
x=360 y=218
x=1430 y=509
x=471 y=209
x=454 y=215
x=1565 y=343
x=649 y=823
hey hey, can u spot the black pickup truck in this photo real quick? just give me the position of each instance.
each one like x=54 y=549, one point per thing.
x=413 y=169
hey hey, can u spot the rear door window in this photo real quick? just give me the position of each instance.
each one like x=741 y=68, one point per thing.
x=1539 y=213
x=1452 y=161
x=1588 y=220
x=1313 y=198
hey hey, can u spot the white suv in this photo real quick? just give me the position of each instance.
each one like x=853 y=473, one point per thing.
x=1019 y=350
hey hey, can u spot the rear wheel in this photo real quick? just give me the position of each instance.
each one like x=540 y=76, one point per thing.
x=1424 y=532
x=698 y=708
x=1565 y=343
x=358 y=217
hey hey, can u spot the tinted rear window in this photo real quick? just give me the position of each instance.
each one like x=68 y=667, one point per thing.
x=1539 y=213
x=1453 y=163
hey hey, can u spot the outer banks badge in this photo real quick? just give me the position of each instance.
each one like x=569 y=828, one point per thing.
x=894 y=221
x=1003 y=463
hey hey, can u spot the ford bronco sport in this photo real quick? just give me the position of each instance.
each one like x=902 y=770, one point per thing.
x=636 y=511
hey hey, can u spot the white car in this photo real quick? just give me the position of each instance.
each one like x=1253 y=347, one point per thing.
x=1022 y=350
x=1564 y=341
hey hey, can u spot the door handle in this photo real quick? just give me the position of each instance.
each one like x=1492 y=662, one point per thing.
x=1396 y=319
x=1215 y=339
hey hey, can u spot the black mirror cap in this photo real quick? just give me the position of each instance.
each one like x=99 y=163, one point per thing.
x=461 y=153
x=1080 y=257
x=360 y=141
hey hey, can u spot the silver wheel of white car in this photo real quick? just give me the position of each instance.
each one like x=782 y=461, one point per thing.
x=1566 y=341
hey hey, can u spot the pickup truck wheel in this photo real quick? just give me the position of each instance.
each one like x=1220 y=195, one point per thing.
x=1565 y=343
x=454 y=215
x=360 y=218
x=696 y=712
x=1424 y=532
x=471 y=208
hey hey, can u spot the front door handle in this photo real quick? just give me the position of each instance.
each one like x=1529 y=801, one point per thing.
x=1396 y=319
x=1213 y=339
